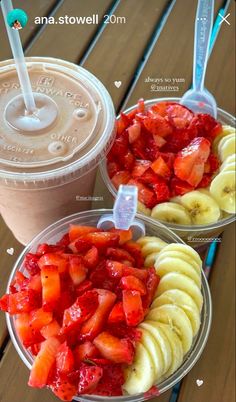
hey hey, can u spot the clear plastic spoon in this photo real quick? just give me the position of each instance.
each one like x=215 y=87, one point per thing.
x=124 y=212
x=198 y=98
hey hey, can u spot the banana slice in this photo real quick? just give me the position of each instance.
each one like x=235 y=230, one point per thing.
x=174 y=280
x=226 y=147
x=222 y=189
x=176 y=346
x=228 y=167
x=184 y=248
x=183 y=256
x=228 y=160
x=154 y=349
x=183 y=300
x=147 y=239
x=226 y=130
x=202 y=208
x=143 y=210
x=162 y=342
x=171 y=213
x=153 y=246
x=166 y=265
x=151 y=259
x=175 y=317
x=140 y=376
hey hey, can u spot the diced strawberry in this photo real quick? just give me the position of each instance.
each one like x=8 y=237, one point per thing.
x=20 y=282
x=94 y=325
x=135 y=250
x=115 y=269
x=207 y=126
x=145 y=195
x=160 y=167
x=51 y=287
x=157 y=125
x=121 y=330
x=45 y=248
x=85 y=351
x=214 y=163
x=179 y=115
x=112 y=168
x=83 y=287
x=140 y=106
x=51 y=329
x=189 y=163
x=99 y=361
x=102 y=239
x=83 y=308
x=206 y=181
x=79 y=246
x=119 y=254
x=53 y=259
x=39 y=318
x=130 y=282
x=91 y=257
x=35 y=283
x=138 y=148
x=77 y=270
x=122 y=123
x=34 y=349
x=149 y=177
x=180 y=187
x=111 y=381
x=151 y=148
x=99 y=277
x=161 y=108
x=139 y=168
x=27 y=335
x=64 y=389
x=216 y=130
x=31 y=263
x=138 y=273
x=20 y=302
x=124 y=235
x=43 y=363
x=134 y=131
x=151 y=285
x=64 y=241
x=89 y=378
x=67 y=298
x=133 y=308
x=120 y=146
x=159 y=141
x=114 y=349
x=117 y=313
x=122 y=177
x=64 y=359
x=76 y=231
x=127 y=160
x=162 y=191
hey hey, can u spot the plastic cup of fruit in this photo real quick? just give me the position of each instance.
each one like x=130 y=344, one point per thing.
x=153 y=228
x=195 y=235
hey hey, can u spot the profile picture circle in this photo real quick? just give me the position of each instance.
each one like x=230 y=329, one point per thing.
x=17 y=19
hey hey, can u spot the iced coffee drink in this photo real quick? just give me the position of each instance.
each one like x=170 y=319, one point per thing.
x=49 y=172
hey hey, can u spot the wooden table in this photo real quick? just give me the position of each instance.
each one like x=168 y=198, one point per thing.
x=150 y=39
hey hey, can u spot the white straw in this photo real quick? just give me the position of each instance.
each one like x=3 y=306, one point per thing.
x=18 y=54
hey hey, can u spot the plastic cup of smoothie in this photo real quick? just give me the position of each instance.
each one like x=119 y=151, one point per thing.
x=50 y=173
x=54 y=233
x=197 y=236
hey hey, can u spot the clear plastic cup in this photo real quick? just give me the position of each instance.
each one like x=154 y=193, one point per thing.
x=50 y=173
x=194 y=235
x=52 y=234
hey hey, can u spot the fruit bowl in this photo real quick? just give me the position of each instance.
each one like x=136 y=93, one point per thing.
x=193 y=234
x=153 y=228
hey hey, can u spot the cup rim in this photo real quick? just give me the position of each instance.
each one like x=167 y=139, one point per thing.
x=172 y=226
x=200 y=339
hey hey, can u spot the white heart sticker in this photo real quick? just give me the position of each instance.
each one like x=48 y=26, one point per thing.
x=199 y=383
x=10 y=251
x=117 y=84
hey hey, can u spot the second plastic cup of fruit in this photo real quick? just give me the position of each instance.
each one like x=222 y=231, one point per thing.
x=52 y=234
x=196 y=236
